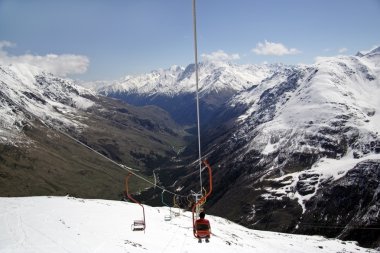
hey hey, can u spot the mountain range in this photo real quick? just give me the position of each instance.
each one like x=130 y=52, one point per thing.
x=173 y=89
x=50 y=128
x=284 y=140
x=294 y=148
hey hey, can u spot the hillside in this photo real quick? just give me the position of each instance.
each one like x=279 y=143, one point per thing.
x=301 y=151
x=43 y=118
x=66 y=224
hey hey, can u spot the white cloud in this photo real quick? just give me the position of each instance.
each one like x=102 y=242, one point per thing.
x=4 y=43
x=342 y=50
x=62 y=65
x=220 y=55
x=272 y=48
x=321 y=58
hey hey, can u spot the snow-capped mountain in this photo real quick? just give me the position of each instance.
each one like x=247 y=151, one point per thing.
x=214 y=77
x=295 y=148
x=174 y=89
x=336 y=96
x=283 y=138
x=52 y=133
x=28 y=91
x=303 y=133
x=66 y=224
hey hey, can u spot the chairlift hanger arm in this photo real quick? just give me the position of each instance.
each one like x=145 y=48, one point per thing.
x=134 y=200
x=203 y=199
x=162 y=198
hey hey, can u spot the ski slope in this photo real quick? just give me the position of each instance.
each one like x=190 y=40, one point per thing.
x=66 y=224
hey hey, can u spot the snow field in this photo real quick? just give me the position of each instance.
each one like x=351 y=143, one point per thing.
x=66 y=224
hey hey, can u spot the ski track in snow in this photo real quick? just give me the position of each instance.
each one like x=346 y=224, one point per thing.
x=67 y=224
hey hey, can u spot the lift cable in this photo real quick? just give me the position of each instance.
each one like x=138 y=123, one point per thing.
x=197 y=91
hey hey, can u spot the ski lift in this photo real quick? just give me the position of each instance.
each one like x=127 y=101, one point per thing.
x=204 y=193
x=137 y=225
x=175 y=205
x=166 y=217
x=190 y=201
x=196 y=230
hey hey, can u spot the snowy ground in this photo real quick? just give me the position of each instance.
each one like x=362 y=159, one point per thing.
x=66 y=224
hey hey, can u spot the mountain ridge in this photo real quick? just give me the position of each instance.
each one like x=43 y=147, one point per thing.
x=295 y=138
x=214 y=77
x=292 y=138
x=45 y=118
x=279 y=143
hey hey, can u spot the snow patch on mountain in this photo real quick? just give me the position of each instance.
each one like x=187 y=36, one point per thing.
x=332 y=89
x=323 y=171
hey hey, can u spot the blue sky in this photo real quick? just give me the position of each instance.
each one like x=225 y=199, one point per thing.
x=98 y=40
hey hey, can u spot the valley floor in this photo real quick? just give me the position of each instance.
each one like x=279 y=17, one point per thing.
x=66 y=224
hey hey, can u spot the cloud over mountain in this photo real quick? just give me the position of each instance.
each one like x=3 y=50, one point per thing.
x=62 y=65
x=220 y=55
x=342 y=50
x=272 y=48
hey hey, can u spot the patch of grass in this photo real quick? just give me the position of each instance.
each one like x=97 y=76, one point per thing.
x=57 y=165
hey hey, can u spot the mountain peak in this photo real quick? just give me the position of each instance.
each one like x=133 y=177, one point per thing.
x=28 y=90
x=176 y=68
x=373 y=51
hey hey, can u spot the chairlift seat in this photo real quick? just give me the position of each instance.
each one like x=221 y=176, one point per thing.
x=138 y=225
x=202 y=233
x=202 y=230
x=167 y=218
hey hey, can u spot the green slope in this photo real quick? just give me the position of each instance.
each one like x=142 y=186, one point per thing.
x=143 y=138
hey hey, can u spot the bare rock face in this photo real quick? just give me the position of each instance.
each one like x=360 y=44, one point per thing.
x=347 y=208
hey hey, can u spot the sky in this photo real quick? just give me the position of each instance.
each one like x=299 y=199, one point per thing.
x=108 y=39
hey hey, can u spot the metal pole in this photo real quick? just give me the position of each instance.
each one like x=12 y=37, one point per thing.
x=197 y=92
